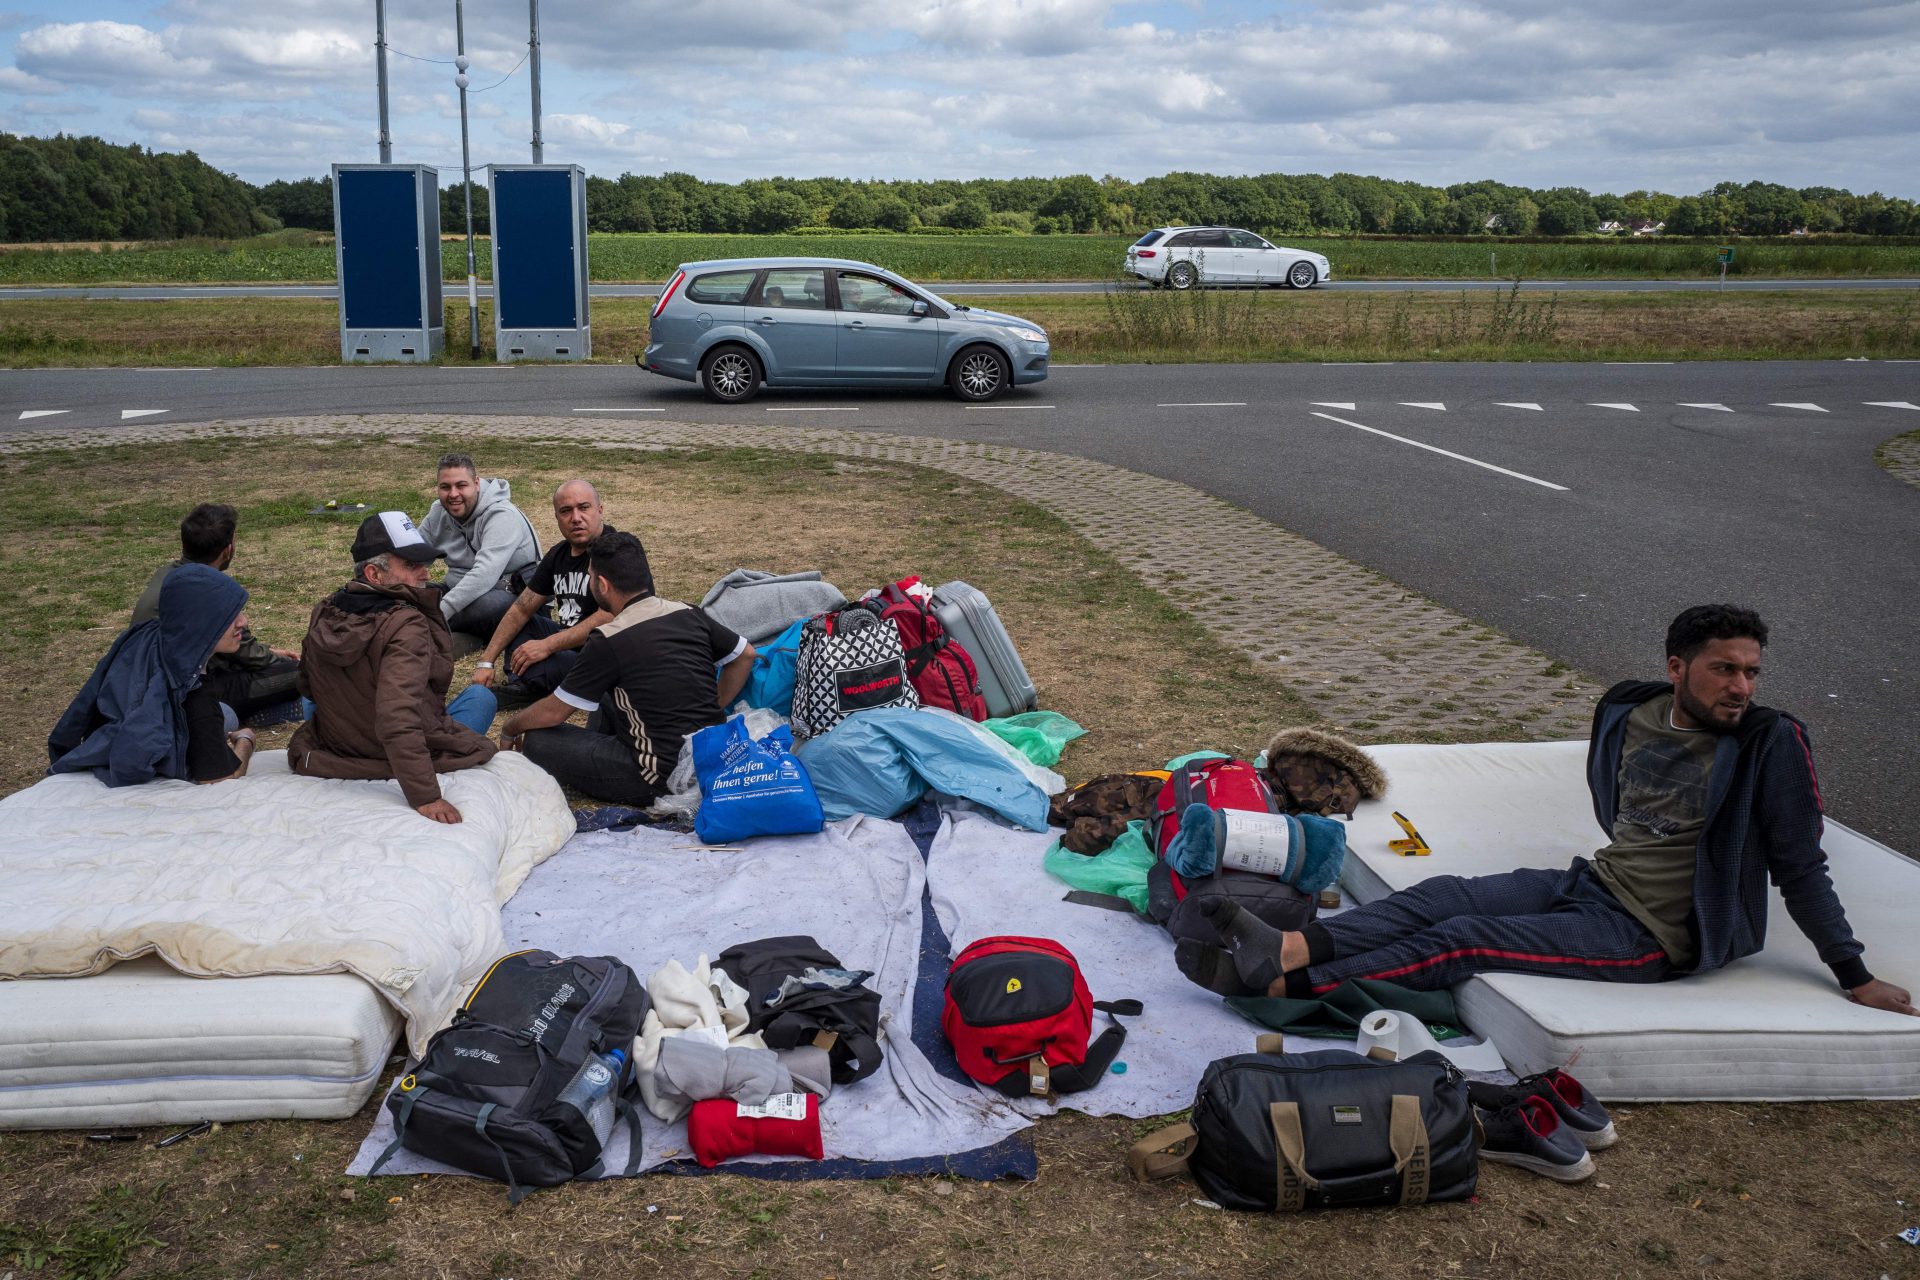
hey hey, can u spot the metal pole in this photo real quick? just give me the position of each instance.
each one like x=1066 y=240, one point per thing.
x=466 y=178
x=380 y=47
x=533 y=61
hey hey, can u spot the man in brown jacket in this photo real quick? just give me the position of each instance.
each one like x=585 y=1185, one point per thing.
x=377 y=663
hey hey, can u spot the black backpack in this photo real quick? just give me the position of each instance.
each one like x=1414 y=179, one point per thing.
x=834 y=1011
x=485 y=1097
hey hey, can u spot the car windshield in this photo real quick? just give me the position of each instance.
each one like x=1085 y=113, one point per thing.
x=1152 y=237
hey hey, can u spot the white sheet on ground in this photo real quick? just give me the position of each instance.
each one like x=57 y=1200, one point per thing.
x=650 y=896
x=986 y=879
x=1770 y=1027
x=274 y=874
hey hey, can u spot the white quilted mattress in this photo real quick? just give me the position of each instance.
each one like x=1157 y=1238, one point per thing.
x=141 y=1044
x=1770 y=1027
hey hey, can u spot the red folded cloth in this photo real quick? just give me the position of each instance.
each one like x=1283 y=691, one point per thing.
x=720 y=1129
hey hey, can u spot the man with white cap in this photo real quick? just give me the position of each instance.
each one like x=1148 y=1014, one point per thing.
x=376 y=664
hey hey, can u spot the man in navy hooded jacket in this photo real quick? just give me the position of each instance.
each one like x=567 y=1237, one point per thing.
x=1705 y=796
x=144 y=713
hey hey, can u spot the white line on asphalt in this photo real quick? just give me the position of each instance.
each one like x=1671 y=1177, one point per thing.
x=1794 y=404
x=1519 y=404
x=818 y=409
x=1878 y=404
x=621 y=409
x=1008 y=406
x=140 y=413
x=1601 y=404
x=1627 y=363
x=1204 y=404
x=1424 y=404
x=39 y=413
x=1718 y=407
x=1447 y=453
x=1348 y=405
x=1083 y=366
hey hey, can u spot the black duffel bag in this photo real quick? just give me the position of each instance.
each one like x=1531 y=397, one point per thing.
x=1330 y=1129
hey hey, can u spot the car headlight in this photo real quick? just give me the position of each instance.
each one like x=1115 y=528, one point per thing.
x=1030 y=335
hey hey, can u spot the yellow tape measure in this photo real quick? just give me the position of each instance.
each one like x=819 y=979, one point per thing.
x=1414 y=846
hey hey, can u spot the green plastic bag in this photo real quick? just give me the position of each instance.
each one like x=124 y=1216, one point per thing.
x=1040 y=736
x=1191 y=756
x=1121 y=871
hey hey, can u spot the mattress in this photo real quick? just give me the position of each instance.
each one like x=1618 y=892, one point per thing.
x=1774 y=1026
x=141 y=1044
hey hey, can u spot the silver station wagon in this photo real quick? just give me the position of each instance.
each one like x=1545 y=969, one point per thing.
x=736 y=324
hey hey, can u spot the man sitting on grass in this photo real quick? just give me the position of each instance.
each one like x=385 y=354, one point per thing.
x=488 y=543
x=379 y=659
x=254 y=677
x=1705 y=794
x=541 y=650
x=646 y=677
x=147 y=711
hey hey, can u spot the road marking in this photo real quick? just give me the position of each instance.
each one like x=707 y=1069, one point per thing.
x=1204 y=404
x=39 y=413
x=140 y=413
x=1424 y=404
x=1878 y=404
x=1793 y=404
x=620 y=410
x=1348 y=405
x=1008 y=406
x=1601 y=404
x=1447 y=453
x=1630 y=363
x=1719 y=407
x=1519 y=404
x=819 y=409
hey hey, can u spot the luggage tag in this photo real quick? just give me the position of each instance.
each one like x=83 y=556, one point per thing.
x=1414 y=846
x=1039 y=1076
x=825 y=1040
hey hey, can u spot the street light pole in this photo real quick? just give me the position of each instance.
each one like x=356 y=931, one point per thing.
x=380 y=47
x=466 y=178
x=533 y=60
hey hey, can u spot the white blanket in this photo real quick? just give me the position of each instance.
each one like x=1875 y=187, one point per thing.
x=650 y=896
x=274 y=874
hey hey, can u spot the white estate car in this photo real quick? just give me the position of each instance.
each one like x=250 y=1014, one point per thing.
x=1182 y=257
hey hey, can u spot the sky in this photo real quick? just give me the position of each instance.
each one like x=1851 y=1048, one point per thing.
x=1610 y=95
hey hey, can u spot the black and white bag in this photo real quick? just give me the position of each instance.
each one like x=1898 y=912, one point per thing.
x=850 y=660
x=500 y=1093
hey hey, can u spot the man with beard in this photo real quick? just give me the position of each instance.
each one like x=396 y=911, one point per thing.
x=541 y=650
x=657 y=671
x=487 y=541
x=1705 y=795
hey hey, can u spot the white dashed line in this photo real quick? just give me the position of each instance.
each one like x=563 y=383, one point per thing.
x=1792 y=404
x=1519 y=404
x=620 y=410
x=140 y=413
x=1601 y=404
x=1718 y=408
x=1424 y=404
x=820 y=409
x=1204 y=404
x=1008 y=406
x=1447 y=453
x=39 y=413
x=1878 y=404
x=1348 y=405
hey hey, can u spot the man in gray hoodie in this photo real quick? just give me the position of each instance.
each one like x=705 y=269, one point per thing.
x=488 y=543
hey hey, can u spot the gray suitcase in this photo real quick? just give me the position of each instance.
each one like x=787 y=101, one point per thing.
x=970 y=619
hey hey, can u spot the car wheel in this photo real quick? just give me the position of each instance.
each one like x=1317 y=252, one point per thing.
x=979 y=373
x=730 y=375
x=1302 y=275
x=1182 y=275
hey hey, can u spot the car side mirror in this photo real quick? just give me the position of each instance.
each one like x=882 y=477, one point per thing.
x=918 y=309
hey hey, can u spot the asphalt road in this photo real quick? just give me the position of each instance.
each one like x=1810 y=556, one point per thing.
x=1580 y=526
x=1004 y=288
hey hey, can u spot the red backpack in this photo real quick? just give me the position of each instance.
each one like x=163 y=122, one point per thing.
x=1218 y=783
x=941 y=671
x=1018 y=1014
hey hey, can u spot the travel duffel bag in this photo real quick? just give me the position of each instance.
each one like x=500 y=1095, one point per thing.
x=1019 y=1017
x=526 y=1084
x=850 y=660
x=1324 y=1130
x=798 y=994
x=970 y=619
x=1173 y=900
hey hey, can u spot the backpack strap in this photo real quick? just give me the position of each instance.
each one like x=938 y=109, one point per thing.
x=1102 y=1052
x=407 y=1098
x=1105 y=901
x=624 y=1109
x=515 y=1192
x=1163 y=1153
x=861 y=1047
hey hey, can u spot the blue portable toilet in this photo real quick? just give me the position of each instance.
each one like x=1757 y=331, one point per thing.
x=539 y=220
x=386 y=238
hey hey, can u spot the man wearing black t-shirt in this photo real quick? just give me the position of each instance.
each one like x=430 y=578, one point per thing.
x=647 y=678
x=541 y=650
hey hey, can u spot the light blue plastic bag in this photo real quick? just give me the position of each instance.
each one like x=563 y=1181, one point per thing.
x=880 y=761
x=750 y=788
x=771 y=683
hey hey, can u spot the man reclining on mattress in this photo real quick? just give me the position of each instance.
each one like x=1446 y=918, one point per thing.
x=1706 y=795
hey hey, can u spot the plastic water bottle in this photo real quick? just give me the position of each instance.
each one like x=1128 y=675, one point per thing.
x=592 y=1089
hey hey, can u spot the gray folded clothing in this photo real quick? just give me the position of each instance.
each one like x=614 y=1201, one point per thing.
x=694 y=1070
x=758 y=605
x=810 y=1067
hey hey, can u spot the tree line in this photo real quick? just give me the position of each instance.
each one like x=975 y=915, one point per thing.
x=66 y=188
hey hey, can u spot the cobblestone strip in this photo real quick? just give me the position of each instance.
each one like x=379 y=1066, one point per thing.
x=1371 y=657
x=1901 y=457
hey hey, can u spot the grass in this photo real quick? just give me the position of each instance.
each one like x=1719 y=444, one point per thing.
x=1127 y=325
x=304 y=256
x=1691 y=1190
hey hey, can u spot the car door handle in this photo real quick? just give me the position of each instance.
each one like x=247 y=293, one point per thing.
x=856 y=324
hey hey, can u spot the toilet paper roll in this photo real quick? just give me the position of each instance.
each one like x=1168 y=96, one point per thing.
x=1403 y=1037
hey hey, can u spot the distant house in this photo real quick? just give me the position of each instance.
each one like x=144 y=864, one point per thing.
x=1492 y=223
x=1609 y=227
x=1799 y=231
x=1644 y=227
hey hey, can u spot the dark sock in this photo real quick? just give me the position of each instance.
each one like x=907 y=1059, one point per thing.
x=1212 y=968
x=1255 y=943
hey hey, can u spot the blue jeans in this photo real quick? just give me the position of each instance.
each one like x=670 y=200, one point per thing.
x=473 y=707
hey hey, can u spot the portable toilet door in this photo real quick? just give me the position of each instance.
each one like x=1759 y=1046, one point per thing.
x=386 y=237
x=539 y=221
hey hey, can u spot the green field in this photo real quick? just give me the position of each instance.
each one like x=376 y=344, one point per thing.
x=308 y=257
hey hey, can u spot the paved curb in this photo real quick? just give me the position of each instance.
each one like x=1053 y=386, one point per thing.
x=1372 y=658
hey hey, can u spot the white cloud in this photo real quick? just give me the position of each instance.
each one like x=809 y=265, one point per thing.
x=14 y=80
x=102 y=53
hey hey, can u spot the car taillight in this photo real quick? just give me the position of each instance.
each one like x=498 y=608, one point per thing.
x=1145 y=253
x=667 y=292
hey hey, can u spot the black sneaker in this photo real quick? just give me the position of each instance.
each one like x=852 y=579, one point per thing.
x=1578 y=1110
x=1527 y=1133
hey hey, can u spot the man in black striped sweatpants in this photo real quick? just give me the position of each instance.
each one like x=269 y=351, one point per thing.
x=1704 y=794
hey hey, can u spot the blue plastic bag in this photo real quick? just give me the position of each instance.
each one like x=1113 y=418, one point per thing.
x=771 y=683
x=751 y=788
x=880 y=761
